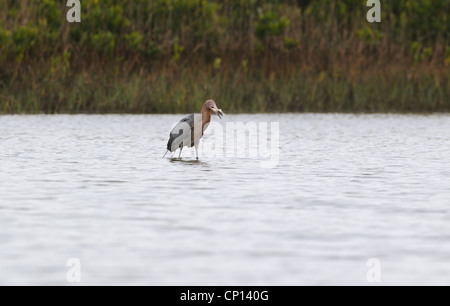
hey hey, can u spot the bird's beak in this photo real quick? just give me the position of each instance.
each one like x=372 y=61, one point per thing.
x=218 y=112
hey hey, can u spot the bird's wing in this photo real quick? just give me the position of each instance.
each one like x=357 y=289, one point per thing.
x=184 y=132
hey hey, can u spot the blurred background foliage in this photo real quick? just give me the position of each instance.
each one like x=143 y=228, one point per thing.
x=164 y=55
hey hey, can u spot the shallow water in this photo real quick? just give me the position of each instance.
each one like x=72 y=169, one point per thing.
x=346 y=188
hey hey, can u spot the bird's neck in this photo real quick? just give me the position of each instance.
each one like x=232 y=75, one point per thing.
x=206 y=117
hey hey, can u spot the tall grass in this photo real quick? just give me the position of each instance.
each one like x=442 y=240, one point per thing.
x=167 y=56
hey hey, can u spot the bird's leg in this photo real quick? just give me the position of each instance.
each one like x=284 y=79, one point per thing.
x=196 y=150
x=179 y=155
x=165 y=153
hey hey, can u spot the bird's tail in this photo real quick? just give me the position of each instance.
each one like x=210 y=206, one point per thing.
x=169 y=143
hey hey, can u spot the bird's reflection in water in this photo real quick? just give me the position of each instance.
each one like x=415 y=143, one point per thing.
x=186 y=161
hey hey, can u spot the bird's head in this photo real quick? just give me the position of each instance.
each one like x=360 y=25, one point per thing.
x=211 y=106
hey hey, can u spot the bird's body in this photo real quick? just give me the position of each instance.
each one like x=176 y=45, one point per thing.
x=190 y=129
x=179 y=135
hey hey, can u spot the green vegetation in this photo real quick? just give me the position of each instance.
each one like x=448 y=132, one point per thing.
x=165 y=56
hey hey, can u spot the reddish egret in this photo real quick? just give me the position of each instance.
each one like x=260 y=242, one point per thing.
x=190 y=129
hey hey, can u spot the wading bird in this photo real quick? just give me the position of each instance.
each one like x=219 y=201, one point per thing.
x=190 y=129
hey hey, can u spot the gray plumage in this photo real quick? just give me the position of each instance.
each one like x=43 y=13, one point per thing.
x=182 y=133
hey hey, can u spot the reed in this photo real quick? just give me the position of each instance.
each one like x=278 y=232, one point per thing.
x=167 y=56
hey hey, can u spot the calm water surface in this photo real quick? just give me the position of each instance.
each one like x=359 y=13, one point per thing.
x=347 y=188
